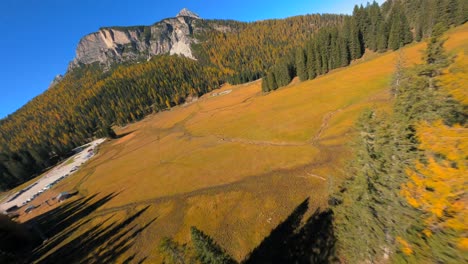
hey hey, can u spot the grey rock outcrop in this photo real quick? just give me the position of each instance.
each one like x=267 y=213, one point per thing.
x=187 y=13
x=56 y=80
x=119 y=44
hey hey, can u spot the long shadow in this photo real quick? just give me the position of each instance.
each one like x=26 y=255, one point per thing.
x=99 y=243
x=124 y=134
x=52 y=226
x=291 y=242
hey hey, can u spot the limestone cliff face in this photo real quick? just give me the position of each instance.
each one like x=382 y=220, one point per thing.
x=119 y=44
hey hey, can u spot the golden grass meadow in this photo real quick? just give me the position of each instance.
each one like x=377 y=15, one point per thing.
x=234 y=164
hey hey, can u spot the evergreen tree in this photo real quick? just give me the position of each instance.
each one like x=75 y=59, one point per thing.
x=400 y=33
x=271 y=81
x=375 y=21
x=282 y=74
x=318 y=57
x=301 y=64
x=382 y=37
x=354 y=39
x=371 y=204
x=265 y=87
x=311 y=60
x=175 y=253
x=407 y=36
x=451 y=7
x=345 y=56
x=208 y=252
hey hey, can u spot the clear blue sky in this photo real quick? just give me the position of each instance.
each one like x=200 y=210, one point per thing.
x=39 y=37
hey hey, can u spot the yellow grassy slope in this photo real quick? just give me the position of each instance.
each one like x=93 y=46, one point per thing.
x=235 y=165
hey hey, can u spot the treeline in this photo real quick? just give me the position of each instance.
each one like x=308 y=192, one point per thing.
x=245 y=51
x=405 y=200
x=86 y=103
x=376 y=28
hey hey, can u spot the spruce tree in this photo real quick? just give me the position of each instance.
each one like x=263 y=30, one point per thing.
x=208 y=252
x=372 y=207
x=354 y=38
x=451 y=7
x=345 y=57
x=301 y=64
x=407 y=36
x=311 y=60
x=382 y=37
x=272 y=84
x=400 y=33
x=375 y=20
x=282 y=74
x=175 y=253
x=394 y=41
x=265 y=87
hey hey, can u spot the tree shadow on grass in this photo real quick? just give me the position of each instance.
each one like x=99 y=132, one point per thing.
x=291 y=242
x=92 y=243
x=124 y=134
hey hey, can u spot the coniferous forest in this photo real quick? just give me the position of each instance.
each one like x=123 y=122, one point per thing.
x=374 y=28
x=89 y=100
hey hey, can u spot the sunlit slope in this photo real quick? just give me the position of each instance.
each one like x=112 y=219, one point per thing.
x=238 y=163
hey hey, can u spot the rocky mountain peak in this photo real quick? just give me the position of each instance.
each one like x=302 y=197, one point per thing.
x=187 y=13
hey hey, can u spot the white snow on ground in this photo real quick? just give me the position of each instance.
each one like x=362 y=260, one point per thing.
x=53 y=176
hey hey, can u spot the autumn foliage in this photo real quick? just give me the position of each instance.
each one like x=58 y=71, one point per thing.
x=438 y=184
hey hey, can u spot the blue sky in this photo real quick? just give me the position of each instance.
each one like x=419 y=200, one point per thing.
x=39 y=37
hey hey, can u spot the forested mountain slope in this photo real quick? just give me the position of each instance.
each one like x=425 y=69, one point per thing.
x=372 y=28
x=239 y=164
x=95 y=95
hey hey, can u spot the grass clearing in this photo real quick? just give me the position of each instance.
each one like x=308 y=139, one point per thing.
x=234 y=165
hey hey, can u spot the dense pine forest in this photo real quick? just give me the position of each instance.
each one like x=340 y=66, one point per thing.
x=248 y=50
x=374 y=28
x=88 y=101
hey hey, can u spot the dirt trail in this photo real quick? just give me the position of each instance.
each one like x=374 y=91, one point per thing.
x=261 y=142
x=314 y=140
x=325 y=122
x=310 y=175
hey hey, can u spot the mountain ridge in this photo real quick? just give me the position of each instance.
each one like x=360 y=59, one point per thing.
x=110 y=45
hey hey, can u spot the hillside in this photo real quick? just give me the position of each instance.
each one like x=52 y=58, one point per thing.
x=79 y=107
x=112 y=81
x=315 y=138
x=235 y=164
x=207 y=40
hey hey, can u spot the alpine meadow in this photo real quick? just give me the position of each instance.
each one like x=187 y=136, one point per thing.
x=319 y=138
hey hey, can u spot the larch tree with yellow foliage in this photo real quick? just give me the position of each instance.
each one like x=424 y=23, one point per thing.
x=438 y=185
